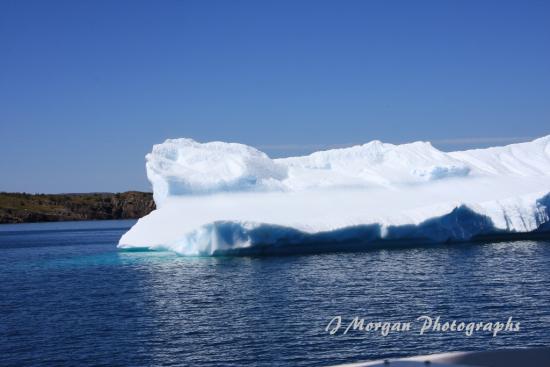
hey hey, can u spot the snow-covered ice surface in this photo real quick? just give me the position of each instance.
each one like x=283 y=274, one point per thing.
x=224 y=198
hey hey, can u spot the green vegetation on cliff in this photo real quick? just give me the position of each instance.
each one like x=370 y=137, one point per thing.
x=22 y=207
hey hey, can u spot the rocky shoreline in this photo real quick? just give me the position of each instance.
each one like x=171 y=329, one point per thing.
x=24 y=208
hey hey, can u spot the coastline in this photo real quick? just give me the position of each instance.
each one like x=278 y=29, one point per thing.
x=37 y=208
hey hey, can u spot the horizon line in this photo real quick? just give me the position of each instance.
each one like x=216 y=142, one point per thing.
x=446 y=141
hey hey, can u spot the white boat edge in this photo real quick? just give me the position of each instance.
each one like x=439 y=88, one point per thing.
x=528 y=357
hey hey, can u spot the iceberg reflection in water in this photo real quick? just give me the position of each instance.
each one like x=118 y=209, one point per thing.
x=69 y=297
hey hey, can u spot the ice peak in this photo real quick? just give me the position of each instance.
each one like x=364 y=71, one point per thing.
x=187 y=167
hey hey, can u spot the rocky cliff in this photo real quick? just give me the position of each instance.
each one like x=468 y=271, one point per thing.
x=22 y=207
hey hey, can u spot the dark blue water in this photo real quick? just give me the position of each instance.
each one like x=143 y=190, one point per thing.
x=68 y=297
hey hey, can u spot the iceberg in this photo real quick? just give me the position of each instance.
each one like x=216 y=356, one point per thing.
x=222 y=198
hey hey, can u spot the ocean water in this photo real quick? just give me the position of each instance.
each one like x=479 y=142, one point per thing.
x=68 y=297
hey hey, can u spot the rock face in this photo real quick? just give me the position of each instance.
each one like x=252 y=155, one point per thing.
x=21 y=207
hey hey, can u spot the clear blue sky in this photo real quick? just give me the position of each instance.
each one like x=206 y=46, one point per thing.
x=87 y=87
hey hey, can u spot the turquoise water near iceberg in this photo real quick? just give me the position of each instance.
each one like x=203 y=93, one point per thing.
x=69 y=297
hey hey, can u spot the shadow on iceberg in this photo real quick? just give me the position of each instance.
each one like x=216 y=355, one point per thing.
x=460 y=225
x=542 y=217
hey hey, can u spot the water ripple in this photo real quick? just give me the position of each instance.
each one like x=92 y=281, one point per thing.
x=68 y=298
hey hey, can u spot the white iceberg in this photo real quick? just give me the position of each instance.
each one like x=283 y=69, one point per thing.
x=224 y=198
